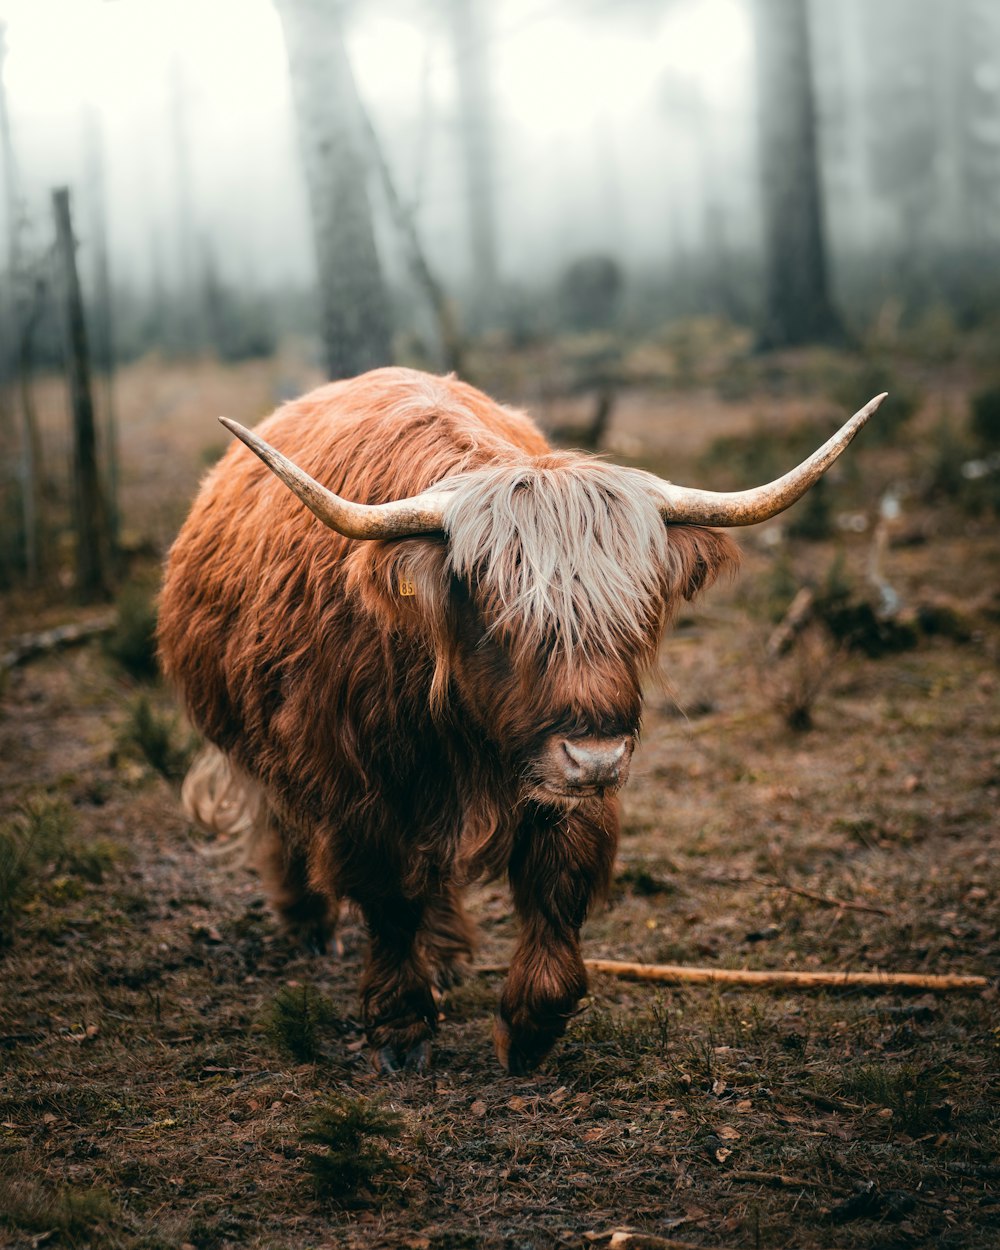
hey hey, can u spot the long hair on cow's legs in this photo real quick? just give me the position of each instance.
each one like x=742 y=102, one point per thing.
x=561 y=863
x=397 y=1001
x=447 y=937
x=310 y=916
x=222 y=800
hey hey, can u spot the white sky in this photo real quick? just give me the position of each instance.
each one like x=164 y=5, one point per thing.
x=578 y=85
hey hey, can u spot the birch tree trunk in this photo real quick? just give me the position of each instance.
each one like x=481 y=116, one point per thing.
x=354 y=304
x=476 y=137
x=797 y=301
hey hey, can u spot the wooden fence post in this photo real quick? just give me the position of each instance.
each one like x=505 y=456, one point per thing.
x=93 y=571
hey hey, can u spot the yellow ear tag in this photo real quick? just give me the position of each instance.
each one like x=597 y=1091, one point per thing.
x=406 y=587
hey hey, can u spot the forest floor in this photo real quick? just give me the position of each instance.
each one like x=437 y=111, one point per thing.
x=165 y=1052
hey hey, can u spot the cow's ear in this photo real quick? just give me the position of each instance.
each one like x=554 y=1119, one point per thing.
x=405 y=585
x=698 y=556
x=404 y=581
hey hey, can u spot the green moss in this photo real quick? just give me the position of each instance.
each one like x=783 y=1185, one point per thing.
x=472 y=1000
x=40 y=856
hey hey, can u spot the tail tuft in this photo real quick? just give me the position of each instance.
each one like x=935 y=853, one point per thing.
x=223 y=801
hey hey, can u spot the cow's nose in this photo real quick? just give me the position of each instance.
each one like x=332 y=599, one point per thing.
x=595 y=761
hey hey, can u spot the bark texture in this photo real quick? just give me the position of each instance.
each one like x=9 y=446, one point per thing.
x=354 y=304
x=93 y=556
x=476 y=136
x=798 y=308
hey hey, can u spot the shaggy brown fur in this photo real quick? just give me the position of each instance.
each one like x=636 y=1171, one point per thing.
x=392 y=745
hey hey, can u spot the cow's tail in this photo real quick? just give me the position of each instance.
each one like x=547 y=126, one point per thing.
x=223 y=801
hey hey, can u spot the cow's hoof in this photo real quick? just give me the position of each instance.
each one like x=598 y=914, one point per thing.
x=388 y=1059
x=418 y=1058
x=519 y=1056
x=318 y=941
x=385 y=1059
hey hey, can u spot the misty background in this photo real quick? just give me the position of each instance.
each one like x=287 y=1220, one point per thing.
x=446 y=183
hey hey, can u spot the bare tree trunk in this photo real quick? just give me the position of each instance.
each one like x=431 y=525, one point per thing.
x=354 y=304
x=472 y=72
x=983 y=125
x=797 y=302
x=19 y=323
x=27 y=316
x=853 y=69
x=92 y=555
x=104 y=323
x=451 y=341
x=186 y=328
x=966 y=43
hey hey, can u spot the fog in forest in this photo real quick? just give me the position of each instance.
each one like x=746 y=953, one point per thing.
x=625 y=130
x=415 y=181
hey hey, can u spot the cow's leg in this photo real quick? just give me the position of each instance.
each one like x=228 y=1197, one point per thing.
x=397 y=1002
x=561 y=862
x=310 y=916
x=447 y=937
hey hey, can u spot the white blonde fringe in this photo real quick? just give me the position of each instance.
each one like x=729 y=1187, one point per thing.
x=225 y=802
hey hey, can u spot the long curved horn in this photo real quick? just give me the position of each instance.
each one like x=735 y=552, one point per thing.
x=747 y=507
x=421 y=514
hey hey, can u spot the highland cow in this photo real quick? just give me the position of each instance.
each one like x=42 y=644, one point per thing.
x=448 y=685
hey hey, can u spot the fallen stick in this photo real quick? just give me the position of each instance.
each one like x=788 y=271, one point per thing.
x=28 y=646
x=790 y=980
x=776 y=1178
x=792 y=623
x=826 y=1103
x=828 y=900
x=678 y=974
x=620 y=1239
x=647 y=1241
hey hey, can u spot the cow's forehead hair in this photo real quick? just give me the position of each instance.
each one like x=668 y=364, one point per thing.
x=570 y=553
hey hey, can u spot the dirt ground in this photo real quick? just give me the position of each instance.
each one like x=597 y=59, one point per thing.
x=150 y=1095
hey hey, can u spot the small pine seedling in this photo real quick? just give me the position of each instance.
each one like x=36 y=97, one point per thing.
x=72 y=1215
x=152 y=737
x=31 y=840
x=351 y=1135
x=298 y=1019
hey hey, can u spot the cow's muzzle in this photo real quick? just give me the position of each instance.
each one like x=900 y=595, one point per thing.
x=572 y=767
x=595 y=761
